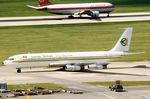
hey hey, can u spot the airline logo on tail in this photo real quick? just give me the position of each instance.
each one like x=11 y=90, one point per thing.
x=41 y=0
x=44 y=2
x=124 y=41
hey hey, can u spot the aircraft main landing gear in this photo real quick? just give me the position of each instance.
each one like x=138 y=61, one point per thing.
x=104 y=66
x=70 y=17
x=108 y=15
x=18 y=70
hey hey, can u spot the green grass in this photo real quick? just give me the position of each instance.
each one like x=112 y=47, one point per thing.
x=29 y=86
x=10 y=8
x=124 y=83
x=77 y=37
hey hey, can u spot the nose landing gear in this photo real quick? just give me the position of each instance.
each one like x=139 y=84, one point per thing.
x=18 y=70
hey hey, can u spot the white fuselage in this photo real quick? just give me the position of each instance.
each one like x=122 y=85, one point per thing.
x=71 y=9
x=45 y=59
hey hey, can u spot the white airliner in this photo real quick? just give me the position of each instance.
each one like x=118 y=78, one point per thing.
x=74 y=61
x=91 y=9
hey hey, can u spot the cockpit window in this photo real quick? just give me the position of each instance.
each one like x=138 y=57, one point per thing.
x=10 y=58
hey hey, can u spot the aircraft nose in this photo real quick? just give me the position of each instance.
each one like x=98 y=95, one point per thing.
x=5 y=62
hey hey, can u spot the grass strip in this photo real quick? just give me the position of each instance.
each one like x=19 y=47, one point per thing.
x=29 y=86
x=124 y=83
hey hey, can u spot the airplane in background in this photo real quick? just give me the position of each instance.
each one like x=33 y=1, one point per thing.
x=91 y=9
x=72 y=61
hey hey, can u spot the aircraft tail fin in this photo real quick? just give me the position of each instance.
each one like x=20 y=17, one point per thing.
x=44 y=2
x=123 y=43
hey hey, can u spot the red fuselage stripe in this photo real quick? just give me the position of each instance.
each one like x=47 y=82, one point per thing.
x=81 y=8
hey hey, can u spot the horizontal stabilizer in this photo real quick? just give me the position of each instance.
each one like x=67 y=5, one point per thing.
x=37 y=8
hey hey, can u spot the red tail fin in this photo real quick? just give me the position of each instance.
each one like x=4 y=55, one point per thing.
x=44 y=2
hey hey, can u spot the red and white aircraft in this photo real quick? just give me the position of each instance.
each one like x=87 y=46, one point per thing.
x=91 y=9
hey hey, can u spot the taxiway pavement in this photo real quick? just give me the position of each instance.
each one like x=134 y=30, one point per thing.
x=135 y=71
x=50 y=20
x=125 y=71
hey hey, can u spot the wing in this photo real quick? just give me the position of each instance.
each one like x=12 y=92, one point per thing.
x=89 y=12
x=78 y=65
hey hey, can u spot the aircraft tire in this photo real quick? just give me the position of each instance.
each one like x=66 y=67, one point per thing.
x=19 y=70
x=108 y=15
x=70 y=17
x=104 y=66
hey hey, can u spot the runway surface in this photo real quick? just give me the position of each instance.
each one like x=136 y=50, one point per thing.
x=124 y=71
x=49 y=20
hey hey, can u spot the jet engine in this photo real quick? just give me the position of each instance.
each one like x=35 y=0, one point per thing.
x=72 y=67
x=95 y=66
x=94 y=14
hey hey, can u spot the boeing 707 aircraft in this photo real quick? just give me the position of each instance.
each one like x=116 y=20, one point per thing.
x=91 y=9
x=74 y=61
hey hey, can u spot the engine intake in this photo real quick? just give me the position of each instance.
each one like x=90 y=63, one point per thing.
x=94 y=14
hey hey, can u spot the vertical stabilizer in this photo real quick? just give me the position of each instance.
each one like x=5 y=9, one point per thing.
x=44 y=2
x=123 y=43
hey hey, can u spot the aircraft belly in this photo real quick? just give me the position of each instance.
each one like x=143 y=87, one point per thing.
x=105 y=10
x=63 y=12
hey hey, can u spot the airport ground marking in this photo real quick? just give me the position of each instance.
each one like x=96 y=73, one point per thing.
x=28 y=97
x=109 y=96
